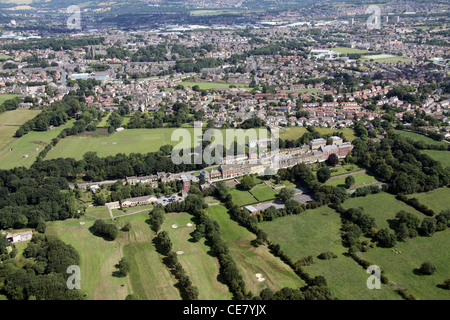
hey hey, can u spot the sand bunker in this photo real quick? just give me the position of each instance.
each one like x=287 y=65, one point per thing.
x=174 y=226
x=260 y=277
x=180 y=252
x=82 y=223
x=189 y=224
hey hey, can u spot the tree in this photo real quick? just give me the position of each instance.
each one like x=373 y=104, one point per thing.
x=333 y=159
x=103 y=229
x=428 y=226
x=323 y=174
x=248 y=182
x=427 y=268
x=385 y=238
x=286 y=194
x=349 y=181
x=124 y=266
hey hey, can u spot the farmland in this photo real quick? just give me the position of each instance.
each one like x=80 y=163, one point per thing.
x=436 y=200
x=382 y=206
x=252 y=260
x=316 y=231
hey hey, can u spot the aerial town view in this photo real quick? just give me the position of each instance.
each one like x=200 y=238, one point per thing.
x=234 y=150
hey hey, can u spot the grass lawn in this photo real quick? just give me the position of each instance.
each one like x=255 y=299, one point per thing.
x=213 y=85
x=360 y=180
x=386 y=58
x=263 y=193
x=251 y=260
x=26 y=145
x=10 y=121
x=418 y=137
x=99 y=257
x=104 y=122
x=127 y=141
x=294 y=133
x=201 y=267
x=344 y=169
x=344 y=50
x=242 y=198
x=381 y=206
x=399 y=267
x=442 y=156
x=7 y=96
x=436 y=200
x=316 y=231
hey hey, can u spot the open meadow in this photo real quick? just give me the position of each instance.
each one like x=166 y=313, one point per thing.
x=419 y=137
x=10 y=121
x=251 y=260
x=436 y=200
x=442 y=156
x=313 y=232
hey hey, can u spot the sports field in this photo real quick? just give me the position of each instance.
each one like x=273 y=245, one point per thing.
x=201 y=267
x=127 y=141
x=251 y=260
x=148 y=276
x=26 y=145
x=263 y=193
x=294 y=133
x=213 y=85
x=316 y=231
x=386 y=58
x=344 y=50
x=242 y=197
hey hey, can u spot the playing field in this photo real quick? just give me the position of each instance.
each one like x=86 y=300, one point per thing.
x=148 y=276
x=344 y=50
x=399 y=264
x=251 y=260
x=294 y=133
x=436 y=200
x=201 y=267
x=386 y=58
x=26 y=145
x=213 y=85
x=442 y=156
x=381 y=206
x=10 y=121
x=316 y=231
x=128 y=141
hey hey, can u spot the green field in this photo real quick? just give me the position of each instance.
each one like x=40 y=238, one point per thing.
x=418 y=137
x=251 y=260
x=127 y=142
x=344 y=50
x=26 y=145
x=294 y=133
x=263 y=193
x=316 y=231
x=436 y=200
x=213 y=85
x=385 y=58
x=399 y=267
x=201 y=268
x=10 y=121
x=242 y=198
x=7 y=96
x=360 y=180
x=148 y=276
x=442 y=156
x=381 y=206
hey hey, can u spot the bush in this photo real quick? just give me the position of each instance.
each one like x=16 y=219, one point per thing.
x=427 y=268
x=327 y=255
